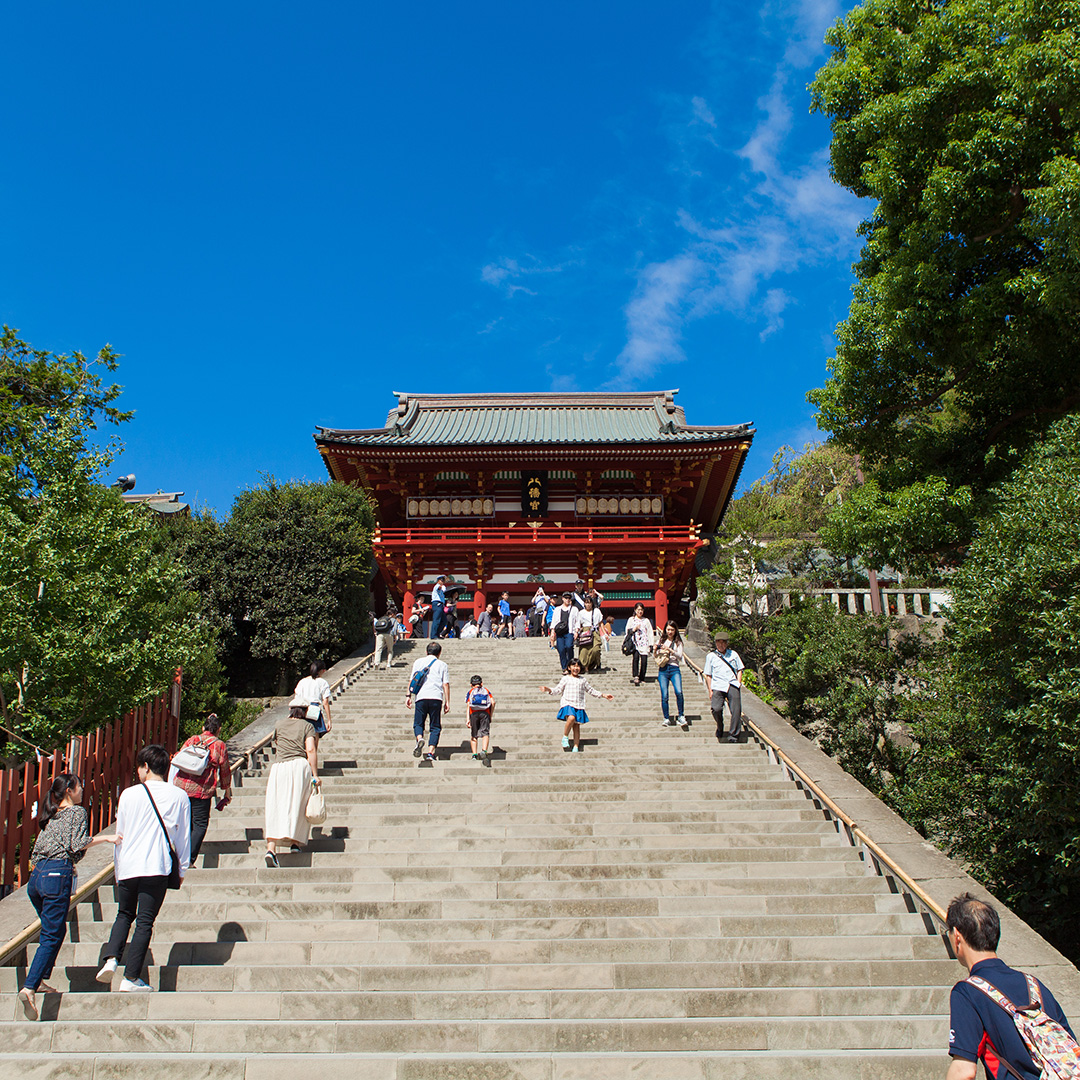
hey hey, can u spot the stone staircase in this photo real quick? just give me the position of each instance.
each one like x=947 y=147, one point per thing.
x=658 y=905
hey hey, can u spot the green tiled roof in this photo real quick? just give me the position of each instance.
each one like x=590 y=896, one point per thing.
x=472 y=419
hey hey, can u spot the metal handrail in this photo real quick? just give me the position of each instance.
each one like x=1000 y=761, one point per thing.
x=342 y=681
x=857 y=834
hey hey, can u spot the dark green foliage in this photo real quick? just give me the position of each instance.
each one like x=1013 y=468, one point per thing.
x=961 y=120
x=283 y=580
x=996 y=777
x=844 y=680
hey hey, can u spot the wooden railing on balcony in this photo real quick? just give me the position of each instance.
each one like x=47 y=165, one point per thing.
x=104 y=760
x=547 y=533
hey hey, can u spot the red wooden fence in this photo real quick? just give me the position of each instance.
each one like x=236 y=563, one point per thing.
x=104 y=760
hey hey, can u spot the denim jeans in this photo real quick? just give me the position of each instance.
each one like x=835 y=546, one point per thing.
x=565 y=645
x=670 y=675
x=431 y=710
x=49 y=890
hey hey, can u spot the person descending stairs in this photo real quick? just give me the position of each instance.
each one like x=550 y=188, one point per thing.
x=657 y=905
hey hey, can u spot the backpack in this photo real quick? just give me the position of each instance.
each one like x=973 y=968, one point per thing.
x=1053 y=1050
x=416 y=683
x=383 y=625
x=628 y=644
x=480 y=699
x=192 y=760
x=562 y=627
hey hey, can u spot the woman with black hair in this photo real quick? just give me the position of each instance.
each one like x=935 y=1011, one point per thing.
x=60 y=844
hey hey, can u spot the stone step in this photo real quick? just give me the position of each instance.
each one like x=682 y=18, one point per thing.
x=602 y=1065
x=560 y=1004
x=329 y=905
x=539 y=954
x=342 y=1036
x=465 y=979
x=194 y=922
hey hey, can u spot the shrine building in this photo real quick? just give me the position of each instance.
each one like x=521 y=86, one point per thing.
x=501 y=492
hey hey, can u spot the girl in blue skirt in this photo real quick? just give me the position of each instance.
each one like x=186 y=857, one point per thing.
x=572 y=704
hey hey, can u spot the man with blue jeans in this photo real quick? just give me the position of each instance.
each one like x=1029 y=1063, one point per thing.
x=562 y=633
x=432 y=700
x=438 y=606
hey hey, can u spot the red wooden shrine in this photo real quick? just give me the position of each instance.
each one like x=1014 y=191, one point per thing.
x=500 y=492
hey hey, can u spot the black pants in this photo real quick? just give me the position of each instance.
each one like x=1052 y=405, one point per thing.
x=641 y=662
x=139 y=900
x=200 y=821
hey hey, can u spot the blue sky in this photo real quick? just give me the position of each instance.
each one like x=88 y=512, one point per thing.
x=280 y=213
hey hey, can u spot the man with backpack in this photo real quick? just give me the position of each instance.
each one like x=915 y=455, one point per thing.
x=384 y=638
x=998 y=1015
x=429 y=684
x=479 y=708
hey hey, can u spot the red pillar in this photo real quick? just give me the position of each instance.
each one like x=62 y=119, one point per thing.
x=406 y=611
x=479 y=600
x=660 y=600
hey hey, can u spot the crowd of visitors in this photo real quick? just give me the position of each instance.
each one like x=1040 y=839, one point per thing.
x=574 y=623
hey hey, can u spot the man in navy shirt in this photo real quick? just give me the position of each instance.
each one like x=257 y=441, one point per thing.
x=979 y=1028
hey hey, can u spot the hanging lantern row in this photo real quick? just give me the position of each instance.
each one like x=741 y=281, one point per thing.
x=654 y=505
x=451 y=507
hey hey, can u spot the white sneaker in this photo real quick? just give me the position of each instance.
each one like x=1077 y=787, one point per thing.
x=134 y=986
x=108 y=970
x=683 y=724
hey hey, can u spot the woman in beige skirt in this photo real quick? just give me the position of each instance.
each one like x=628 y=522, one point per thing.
x=293 y=777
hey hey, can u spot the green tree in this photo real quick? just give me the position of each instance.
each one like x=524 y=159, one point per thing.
x=300 y=570
x=92 y=620
x=846 y=681
x=38 y=388
x=961 y=120
x=774 y=524
x=995 y=775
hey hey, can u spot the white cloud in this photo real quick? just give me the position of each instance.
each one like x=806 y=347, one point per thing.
x=792 y=216
x=702 y=111
x=505 y=274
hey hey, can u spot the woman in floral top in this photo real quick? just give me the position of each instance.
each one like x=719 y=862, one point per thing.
x=61 y=843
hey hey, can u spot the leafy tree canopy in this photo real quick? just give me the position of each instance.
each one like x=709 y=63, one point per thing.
x=961 y=119
x=92 y=620
x=39 y=388
x=299 y=574
x=774 y=524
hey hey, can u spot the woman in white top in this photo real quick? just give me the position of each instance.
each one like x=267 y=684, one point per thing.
x=586 y=625
x=642 y=631
x=153 y=819
x=314 y=690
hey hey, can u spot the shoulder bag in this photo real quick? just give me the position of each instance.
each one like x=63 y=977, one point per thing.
x=174 y=870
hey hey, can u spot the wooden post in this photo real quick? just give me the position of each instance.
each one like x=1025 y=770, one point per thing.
x=660 y=598
x=406 y=609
